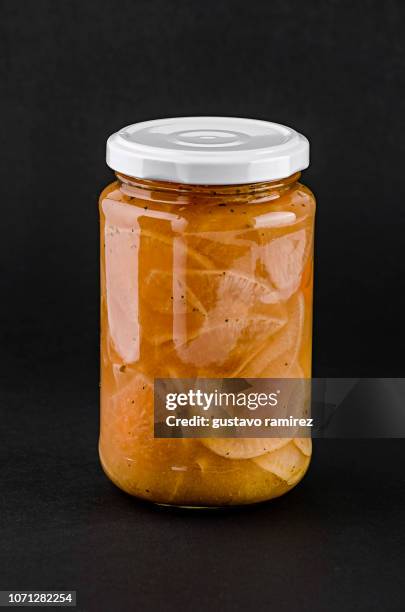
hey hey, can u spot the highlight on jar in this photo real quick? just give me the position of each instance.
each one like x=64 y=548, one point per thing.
x=206 y=273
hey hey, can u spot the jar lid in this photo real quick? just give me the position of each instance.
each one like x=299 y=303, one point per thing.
x=208 y=150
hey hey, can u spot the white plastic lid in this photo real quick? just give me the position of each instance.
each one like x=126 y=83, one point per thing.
x=208 y=150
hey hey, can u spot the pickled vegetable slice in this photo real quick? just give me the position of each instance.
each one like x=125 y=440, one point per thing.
x=304 y=444
x=277 y=356
x=234 y=325
x=284 y=259
x=127 y=428
x=130 y=414
x=121 y=271
x=199 y=288
x=244 y=448
x=222 y=249
x=158 y=292
x=287 y=462
x=216 y=314
x=295 y=403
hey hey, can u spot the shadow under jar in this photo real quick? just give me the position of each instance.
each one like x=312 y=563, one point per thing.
x=206 y=271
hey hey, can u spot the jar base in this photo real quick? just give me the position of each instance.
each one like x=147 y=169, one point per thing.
x=184 y=507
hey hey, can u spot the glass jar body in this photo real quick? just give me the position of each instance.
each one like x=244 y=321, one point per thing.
x=207 y=282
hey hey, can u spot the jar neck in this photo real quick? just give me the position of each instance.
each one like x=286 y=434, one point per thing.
x=181 y=193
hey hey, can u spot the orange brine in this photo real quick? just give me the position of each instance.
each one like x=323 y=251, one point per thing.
x=208 y=282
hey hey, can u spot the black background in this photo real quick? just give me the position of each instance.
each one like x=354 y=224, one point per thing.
x=73 y=72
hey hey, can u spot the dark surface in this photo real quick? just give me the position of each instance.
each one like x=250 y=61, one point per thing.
x=72 y=73
x=334 y=543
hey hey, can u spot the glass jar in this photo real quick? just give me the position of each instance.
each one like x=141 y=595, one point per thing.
x=206 y=271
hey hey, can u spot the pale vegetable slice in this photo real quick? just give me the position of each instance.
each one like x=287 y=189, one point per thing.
x=219 y=338
x=223 y=318
x=243 y=448
x=284 y=259
x=133 y=458
x=127 y=419
x=235 y=321
x=198 y=289
x=121 y=238
x=195 y=256
x=160 y=283
x=221 y=248
x=287 y=462
x=304 y=444
x=128 y=414
x=277 y=356
x=294 y=402
x=250 y=286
